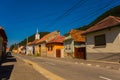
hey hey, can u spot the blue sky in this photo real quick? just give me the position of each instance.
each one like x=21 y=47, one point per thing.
x=21 y=18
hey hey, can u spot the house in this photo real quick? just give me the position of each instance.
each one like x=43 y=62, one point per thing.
x=3 y=44
x=31 y=48
x=20 y=49
x=74 y=45
x=35 y=47
x=41 y=43
x=55 y=47
x=23 y=50
x=103 y=40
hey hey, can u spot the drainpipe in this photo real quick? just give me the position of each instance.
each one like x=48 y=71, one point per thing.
x=119 y=45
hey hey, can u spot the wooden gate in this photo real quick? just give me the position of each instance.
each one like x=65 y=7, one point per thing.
x=58 y=53
x=80 y=53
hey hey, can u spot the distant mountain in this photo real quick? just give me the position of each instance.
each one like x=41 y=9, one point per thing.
x=32 y=38
x=113 y=12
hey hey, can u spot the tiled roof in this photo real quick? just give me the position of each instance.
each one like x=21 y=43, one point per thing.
x=48 y=37
x=76 y=35
x=57 y=39
x=33 y=42
x=108 y=22
x=29 y=43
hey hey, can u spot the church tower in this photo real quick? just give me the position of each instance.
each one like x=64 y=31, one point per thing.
x=37 y=36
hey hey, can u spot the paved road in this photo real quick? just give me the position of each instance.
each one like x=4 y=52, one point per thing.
x=74 y=71
x=15 y=69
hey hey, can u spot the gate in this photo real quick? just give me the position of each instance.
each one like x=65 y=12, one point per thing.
x=80 y=53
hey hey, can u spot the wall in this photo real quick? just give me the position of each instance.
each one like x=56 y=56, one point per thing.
x=29 y=50
x=1 y=47
x=43 y=49
x=69 y=52
x=37 y=50
x=53 y=52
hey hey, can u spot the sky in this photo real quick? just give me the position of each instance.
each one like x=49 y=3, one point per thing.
x=21 y=18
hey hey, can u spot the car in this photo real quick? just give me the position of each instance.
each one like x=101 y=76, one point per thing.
x=9 y=53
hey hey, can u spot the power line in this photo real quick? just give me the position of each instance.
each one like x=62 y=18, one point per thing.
x=67 y=12
x=92 y=14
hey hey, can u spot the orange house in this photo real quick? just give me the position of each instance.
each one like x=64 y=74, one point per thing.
x=55 y=47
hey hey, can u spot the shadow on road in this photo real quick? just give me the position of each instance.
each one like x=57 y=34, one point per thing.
x=7 y=67
x=9 y=59
x=5 y=72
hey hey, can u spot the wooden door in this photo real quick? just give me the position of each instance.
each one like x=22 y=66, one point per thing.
x=58 y=53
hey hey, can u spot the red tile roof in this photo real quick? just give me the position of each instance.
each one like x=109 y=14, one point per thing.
x=33 y=42
x=48 y=37
x=76 y=35
x=108 y=22
x=29 y=43
x=57 y=39
x=45 y=38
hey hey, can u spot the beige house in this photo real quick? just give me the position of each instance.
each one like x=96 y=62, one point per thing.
x=41 y=43
x=103 y=40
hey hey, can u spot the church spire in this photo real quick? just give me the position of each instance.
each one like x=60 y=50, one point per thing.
x=37 y=30
x=37 y=36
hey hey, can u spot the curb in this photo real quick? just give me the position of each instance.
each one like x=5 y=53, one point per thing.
x=49 y=75
x=107 y=67
x=104 y=62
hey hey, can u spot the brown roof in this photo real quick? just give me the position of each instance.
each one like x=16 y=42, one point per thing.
x=108 y=22
x=48 y=37
x=76 y=35
x=29 y=43
x=57 y=39
x=33 y=42
x=3 y=34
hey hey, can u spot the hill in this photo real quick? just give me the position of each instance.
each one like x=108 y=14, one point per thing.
x=113 y=12
x=32 y=38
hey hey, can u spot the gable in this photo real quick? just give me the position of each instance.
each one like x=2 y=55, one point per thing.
x=108 y=22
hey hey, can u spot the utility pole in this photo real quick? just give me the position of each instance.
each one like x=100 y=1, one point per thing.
x=26 y=45
x=27 y=41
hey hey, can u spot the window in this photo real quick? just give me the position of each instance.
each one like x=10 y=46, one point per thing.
x=100 y=40
x=50 y=48
x=68 y=47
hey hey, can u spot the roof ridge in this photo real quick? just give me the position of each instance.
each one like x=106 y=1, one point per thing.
x=117 y=18
x=113 y=17
x=107 y=22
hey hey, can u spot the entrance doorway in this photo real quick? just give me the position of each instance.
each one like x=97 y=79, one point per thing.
x=58 y=53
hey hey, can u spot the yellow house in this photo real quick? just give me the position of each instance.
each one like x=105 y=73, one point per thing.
x=55 y=47
x=40 y=45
